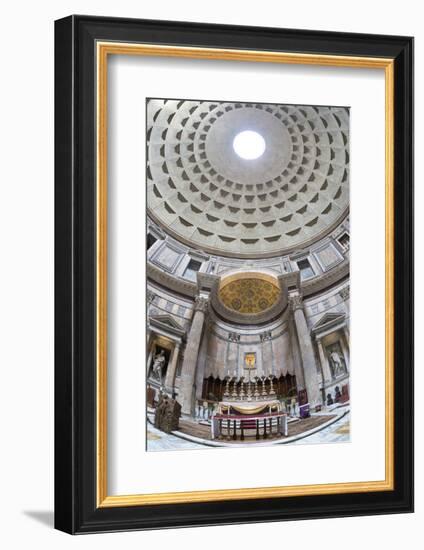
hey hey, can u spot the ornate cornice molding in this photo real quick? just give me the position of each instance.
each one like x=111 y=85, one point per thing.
x=309 y=288
x=210 y=283
x=326 y=280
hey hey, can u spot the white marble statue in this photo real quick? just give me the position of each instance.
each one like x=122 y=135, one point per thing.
x=337 y=363
x=158 y=364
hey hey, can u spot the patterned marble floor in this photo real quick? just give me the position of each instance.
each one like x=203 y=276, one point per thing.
x=160 y=441
x=338 y=432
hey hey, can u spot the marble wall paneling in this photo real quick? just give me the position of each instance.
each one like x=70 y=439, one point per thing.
x=216 y=357
x=267 y=357
x=283 y=360
x=167 y=257
x=232 y=356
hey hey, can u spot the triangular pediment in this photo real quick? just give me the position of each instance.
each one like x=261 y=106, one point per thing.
x=329 y=319
x=166 y=320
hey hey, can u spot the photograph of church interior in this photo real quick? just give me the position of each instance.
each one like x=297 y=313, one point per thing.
x=247 y=294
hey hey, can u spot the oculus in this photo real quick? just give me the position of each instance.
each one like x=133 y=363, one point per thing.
x=249 y=145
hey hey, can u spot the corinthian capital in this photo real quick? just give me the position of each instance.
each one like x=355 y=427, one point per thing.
x=296 y=302
x=266 y=336
x=201 y=303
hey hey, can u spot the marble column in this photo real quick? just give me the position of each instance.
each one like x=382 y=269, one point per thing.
x=188 y=371
x=298 y=371
x=202 y=362
x=326 y=371
x=172 y=367
x=306 y=352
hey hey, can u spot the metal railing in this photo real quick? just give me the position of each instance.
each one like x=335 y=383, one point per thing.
x=234 y=427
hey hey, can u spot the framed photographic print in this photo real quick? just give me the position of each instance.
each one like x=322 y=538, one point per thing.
x=234 y=274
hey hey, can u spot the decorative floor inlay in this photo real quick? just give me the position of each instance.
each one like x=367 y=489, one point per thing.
x=336 y=432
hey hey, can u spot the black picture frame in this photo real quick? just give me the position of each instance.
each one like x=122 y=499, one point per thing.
x=76 y=509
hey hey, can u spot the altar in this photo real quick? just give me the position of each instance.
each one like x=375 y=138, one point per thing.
x=249 y=407
x=238 y=420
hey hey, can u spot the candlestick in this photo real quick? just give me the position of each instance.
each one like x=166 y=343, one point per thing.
x=256 y=393
x=263 y=386
x=242 y=392
x=234 y=394
x=271 y=387
x=227 y=386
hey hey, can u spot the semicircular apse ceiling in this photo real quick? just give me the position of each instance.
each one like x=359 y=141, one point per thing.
x=249 y=293
x=210 y=198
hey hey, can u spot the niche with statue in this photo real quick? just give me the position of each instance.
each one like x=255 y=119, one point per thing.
x=336 y=359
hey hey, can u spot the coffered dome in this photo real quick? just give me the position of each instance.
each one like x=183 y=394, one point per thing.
x=206 y=195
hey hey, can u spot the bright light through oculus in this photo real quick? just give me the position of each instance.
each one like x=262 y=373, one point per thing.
x=249 y=145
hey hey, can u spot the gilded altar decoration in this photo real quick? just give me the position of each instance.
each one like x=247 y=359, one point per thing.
x=250 y=360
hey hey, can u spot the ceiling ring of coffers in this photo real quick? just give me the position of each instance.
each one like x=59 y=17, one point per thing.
x=281 y=203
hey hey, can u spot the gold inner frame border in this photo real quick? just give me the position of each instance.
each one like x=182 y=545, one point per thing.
x=103 y=50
